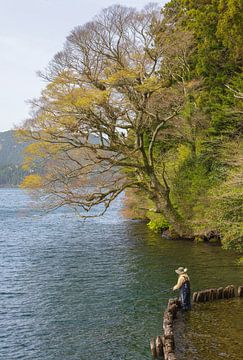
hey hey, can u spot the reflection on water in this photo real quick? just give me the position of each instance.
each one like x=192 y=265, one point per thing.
x=74 y=290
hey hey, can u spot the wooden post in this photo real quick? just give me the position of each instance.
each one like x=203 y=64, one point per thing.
x=194 y=297
x=167 y=321
x=231 y=291
x=159 y=347
x=214 y=294
x=210 y=294
x=204 y=296
x=169 y=345
x=226 y=292
x=171 y=356
x=220 y=293
x=240 y=291
x=173 y=310
x=153 y=348
x=200 y=296
x=207 y=295
x=168 y=338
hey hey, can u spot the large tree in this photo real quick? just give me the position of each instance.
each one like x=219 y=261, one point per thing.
x=112 y=95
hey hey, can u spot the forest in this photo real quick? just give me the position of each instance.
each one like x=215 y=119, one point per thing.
x=11 y=157
x=161 y=90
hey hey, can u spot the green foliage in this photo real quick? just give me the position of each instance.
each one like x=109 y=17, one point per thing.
x=230 y=26
x=217 y=27
x=157 y=222
x=240 y=261
x=190 y=184
x=207 y=187
x=226 y=211
x=220 y=208
x=204 y=167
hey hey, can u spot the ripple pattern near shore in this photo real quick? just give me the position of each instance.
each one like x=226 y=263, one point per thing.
x=73 y=289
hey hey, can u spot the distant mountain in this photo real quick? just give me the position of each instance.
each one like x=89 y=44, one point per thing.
x=11 y=152
x=11 y=158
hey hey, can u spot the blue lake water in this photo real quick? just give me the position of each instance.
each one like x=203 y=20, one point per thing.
x=73 y=289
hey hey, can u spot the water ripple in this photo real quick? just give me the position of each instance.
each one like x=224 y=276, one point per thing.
x=74 y=290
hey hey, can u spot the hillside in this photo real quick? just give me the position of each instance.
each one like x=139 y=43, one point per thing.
x=11 y=157
x=10 y=150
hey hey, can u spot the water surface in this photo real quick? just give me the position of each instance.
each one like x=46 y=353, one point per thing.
x=211 y=331
x=74 y=290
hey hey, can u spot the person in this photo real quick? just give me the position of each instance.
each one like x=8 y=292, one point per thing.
x=183 y=284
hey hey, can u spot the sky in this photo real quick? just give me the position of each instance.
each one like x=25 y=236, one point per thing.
x=31 y=32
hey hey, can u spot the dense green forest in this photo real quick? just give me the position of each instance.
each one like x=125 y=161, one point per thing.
x=11 y=158
x=163 y=90
x=205 y=171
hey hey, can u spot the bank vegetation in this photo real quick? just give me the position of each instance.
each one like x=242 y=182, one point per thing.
x=148 y=103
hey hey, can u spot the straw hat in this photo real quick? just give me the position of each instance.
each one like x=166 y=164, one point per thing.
x=181 y=270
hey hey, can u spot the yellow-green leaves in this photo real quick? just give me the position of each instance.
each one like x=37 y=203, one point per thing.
x=120 y=77
x=86 y=98
x=38 y=151
x=32 y=181
x=149 y=85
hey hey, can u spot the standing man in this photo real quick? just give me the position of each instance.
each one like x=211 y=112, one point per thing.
x=183 y=284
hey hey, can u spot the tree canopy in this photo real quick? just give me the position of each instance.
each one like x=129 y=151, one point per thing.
x=149 y=101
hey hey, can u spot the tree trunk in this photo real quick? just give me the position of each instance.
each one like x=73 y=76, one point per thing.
x=167 y=209
x=180 y=227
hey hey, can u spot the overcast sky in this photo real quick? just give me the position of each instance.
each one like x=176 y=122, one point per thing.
x=31 y=32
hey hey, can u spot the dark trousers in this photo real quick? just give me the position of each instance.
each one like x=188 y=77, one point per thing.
x=185 y=296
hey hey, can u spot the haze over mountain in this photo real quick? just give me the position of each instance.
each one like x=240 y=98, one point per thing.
x=11 y=158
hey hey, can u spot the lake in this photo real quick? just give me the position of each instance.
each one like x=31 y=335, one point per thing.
x=73 y=289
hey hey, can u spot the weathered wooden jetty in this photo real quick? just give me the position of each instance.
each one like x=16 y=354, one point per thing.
x=163 y=346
